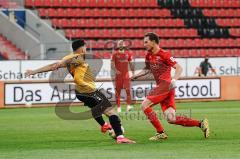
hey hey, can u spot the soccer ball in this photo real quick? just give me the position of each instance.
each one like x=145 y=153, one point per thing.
x=112 y=134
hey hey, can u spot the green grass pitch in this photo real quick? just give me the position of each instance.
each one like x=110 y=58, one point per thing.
x=34 y=133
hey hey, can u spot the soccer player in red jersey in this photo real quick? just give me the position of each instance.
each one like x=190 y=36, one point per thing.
x=120 y=61
x=159 y=62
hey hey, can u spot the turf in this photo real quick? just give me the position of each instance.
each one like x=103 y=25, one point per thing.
x=29 y=133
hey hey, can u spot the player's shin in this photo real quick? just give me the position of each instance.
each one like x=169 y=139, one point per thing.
x=185 y=121
x=100 y=120
x=116 y=124
x=152 y=116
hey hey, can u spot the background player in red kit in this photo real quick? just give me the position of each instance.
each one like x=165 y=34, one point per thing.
x=120 y=61
x=159 y=62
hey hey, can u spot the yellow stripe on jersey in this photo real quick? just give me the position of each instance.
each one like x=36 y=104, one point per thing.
x=82 y=74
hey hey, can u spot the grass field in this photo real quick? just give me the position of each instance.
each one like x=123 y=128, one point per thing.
x=33 y=133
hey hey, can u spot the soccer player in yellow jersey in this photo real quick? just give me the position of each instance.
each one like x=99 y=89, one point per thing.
x=86 y=89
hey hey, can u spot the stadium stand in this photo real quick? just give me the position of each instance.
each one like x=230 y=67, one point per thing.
x=9 y=51
x=188 y=28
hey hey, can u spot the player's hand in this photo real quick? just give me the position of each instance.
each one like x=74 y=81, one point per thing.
x=29 y=73
x=133 y=78
x=172 y=84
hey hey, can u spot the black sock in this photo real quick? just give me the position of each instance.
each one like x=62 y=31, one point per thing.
x=100 y=120
x=116 y=124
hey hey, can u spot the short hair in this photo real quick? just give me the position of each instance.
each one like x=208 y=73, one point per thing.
x=77 y=44
x=152 y=36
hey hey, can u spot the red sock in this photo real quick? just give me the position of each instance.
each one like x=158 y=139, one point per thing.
x=117 y=100
x=187 y=122
x=152 y=116
x=128 y=97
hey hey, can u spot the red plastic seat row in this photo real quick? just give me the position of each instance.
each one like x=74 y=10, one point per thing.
x=205 y=52
x=8 y=4
x=117 y=22
x=91 y=3
x=202 y=43
x=103 y=12
x=176 y=53
x=128 y=33
x=215 y=3
x=235 y=32
x=9 y=50
x=230 y=22
x=99 y=54
x=221 y=12
x=173 y=43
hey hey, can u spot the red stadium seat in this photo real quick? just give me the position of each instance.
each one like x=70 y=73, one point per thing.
x=55 y=22
x=65 y=3
x=39 y=3
x=60 y=11
x=42 y=12
x=74 y=23
x=51 y=12
x=29 y=3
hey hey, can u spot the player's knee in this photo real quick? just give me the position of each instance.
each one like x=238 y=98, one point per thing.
x=110 y=112
x=170 y=117
x=144 y=105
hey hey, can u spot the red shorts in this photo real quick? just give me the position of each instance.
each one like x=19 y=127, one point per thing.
x=122 y=83
x=166 y=99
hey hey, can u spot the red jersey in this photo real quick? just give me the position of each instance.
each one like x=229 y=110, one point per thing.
x=121 y=61
x=160 y=65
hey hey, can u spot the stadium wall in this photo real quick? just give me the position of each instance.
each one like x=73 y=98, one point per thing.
x=14 y=70
x=230 y=88
x=43 y=93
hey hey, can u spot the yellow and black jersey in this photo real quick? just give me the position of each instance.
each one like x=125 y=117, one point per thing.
x=82 y=74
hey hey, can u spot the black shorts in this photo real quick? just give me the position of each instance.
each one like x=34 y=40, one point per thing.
x=93 y=99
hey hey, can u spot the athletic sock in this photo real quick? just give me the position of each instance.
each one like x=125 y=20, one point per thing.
x=152 y=116
x=116 y=124
x=187 y=122
x=100 y=120
x=118 y=100
x=128 y=101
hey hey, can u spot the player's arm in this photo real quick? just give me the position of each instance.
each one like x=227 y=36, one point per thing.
x=178 y=71
x=212 y=69
x=142 y=73
x=177 y=74
x=47 y=68
x=200 y=69
x=132 y=67
x=54 y=66
x=113 y=66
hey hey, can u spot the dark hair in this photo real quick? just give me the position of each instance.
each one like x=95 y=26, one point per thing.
x=152 y=37
x=77 y=44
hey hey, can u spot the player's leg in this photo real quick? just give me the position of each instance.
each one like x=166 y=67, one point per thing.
x=128 y=100
x=106 y=107
x=117 y=96
x=117 y=127
x=118 y=87
x=169 y=111
x=154 y=97
x=128 y=93
x=152 y=116
x=91 y=102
